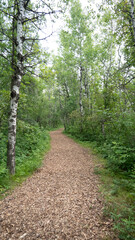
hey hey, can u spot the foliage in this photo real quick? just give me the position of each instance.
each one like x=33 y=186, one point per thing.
x=89 y=87
x=32 y=143
x=124 y=219
x=114 y=137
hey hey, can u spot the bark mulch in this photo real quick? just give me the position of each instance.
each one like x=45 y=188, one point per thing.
x=61 y=201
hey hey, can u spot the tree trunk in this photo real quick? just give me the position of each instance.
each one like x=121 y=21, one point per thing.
x=133 y=17
x=90 y=102
x=15 y=90
x=13 y=60
x=80 y=99
x=86 y=84
x=81 y=87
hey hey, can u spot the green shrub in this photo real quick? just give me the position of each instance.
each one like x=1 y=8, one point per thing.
x=119 y=157
x=31 y=144
x=124 y=223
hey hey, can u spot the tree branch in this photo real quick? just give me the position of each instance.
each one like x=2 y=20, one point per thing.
x=38 y=39
x=26 y=3
x=3 y=56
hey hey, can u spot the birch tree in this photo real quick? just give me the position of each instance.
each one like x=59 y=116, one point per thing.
x=25 y=18
x=16 y=89
x=73 y=43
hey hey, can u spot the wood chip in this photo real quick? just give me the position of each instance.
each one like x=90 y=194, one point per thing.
x=61 y=201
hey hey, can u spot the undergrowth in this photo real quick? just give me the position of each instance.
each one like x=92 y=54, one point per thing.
x=31 y=144
x=118 y=189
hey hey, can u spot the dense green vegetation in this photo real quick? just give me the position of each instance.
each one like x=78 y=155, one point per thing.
x=89 y=87
x=32 y=143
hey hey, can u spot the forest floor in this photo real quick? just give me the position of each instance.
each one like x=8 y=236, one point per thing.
x=61 y=201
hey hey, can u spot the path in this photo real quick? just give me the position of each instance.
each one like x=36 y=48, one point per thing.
x=60 y=201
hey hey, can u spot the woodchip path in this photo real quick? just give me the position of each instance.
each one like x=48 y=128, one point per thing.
x=61 y=201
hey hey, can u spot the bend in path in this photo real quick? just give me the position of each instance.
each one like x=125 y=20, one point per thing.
x=60 y=201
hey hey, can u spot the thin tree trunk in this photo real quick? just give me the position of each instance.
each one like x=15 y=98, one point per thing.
x=60 y=103
x=133 y=17
x=80 y=99
x=15 y=90
x=81 y=87
x=13 y=61
x=86 y=84
x=90 y=101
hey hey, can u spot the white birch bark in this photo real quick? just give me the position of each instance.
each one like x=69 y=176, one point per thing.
x=133 y=17
x=15 y=90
